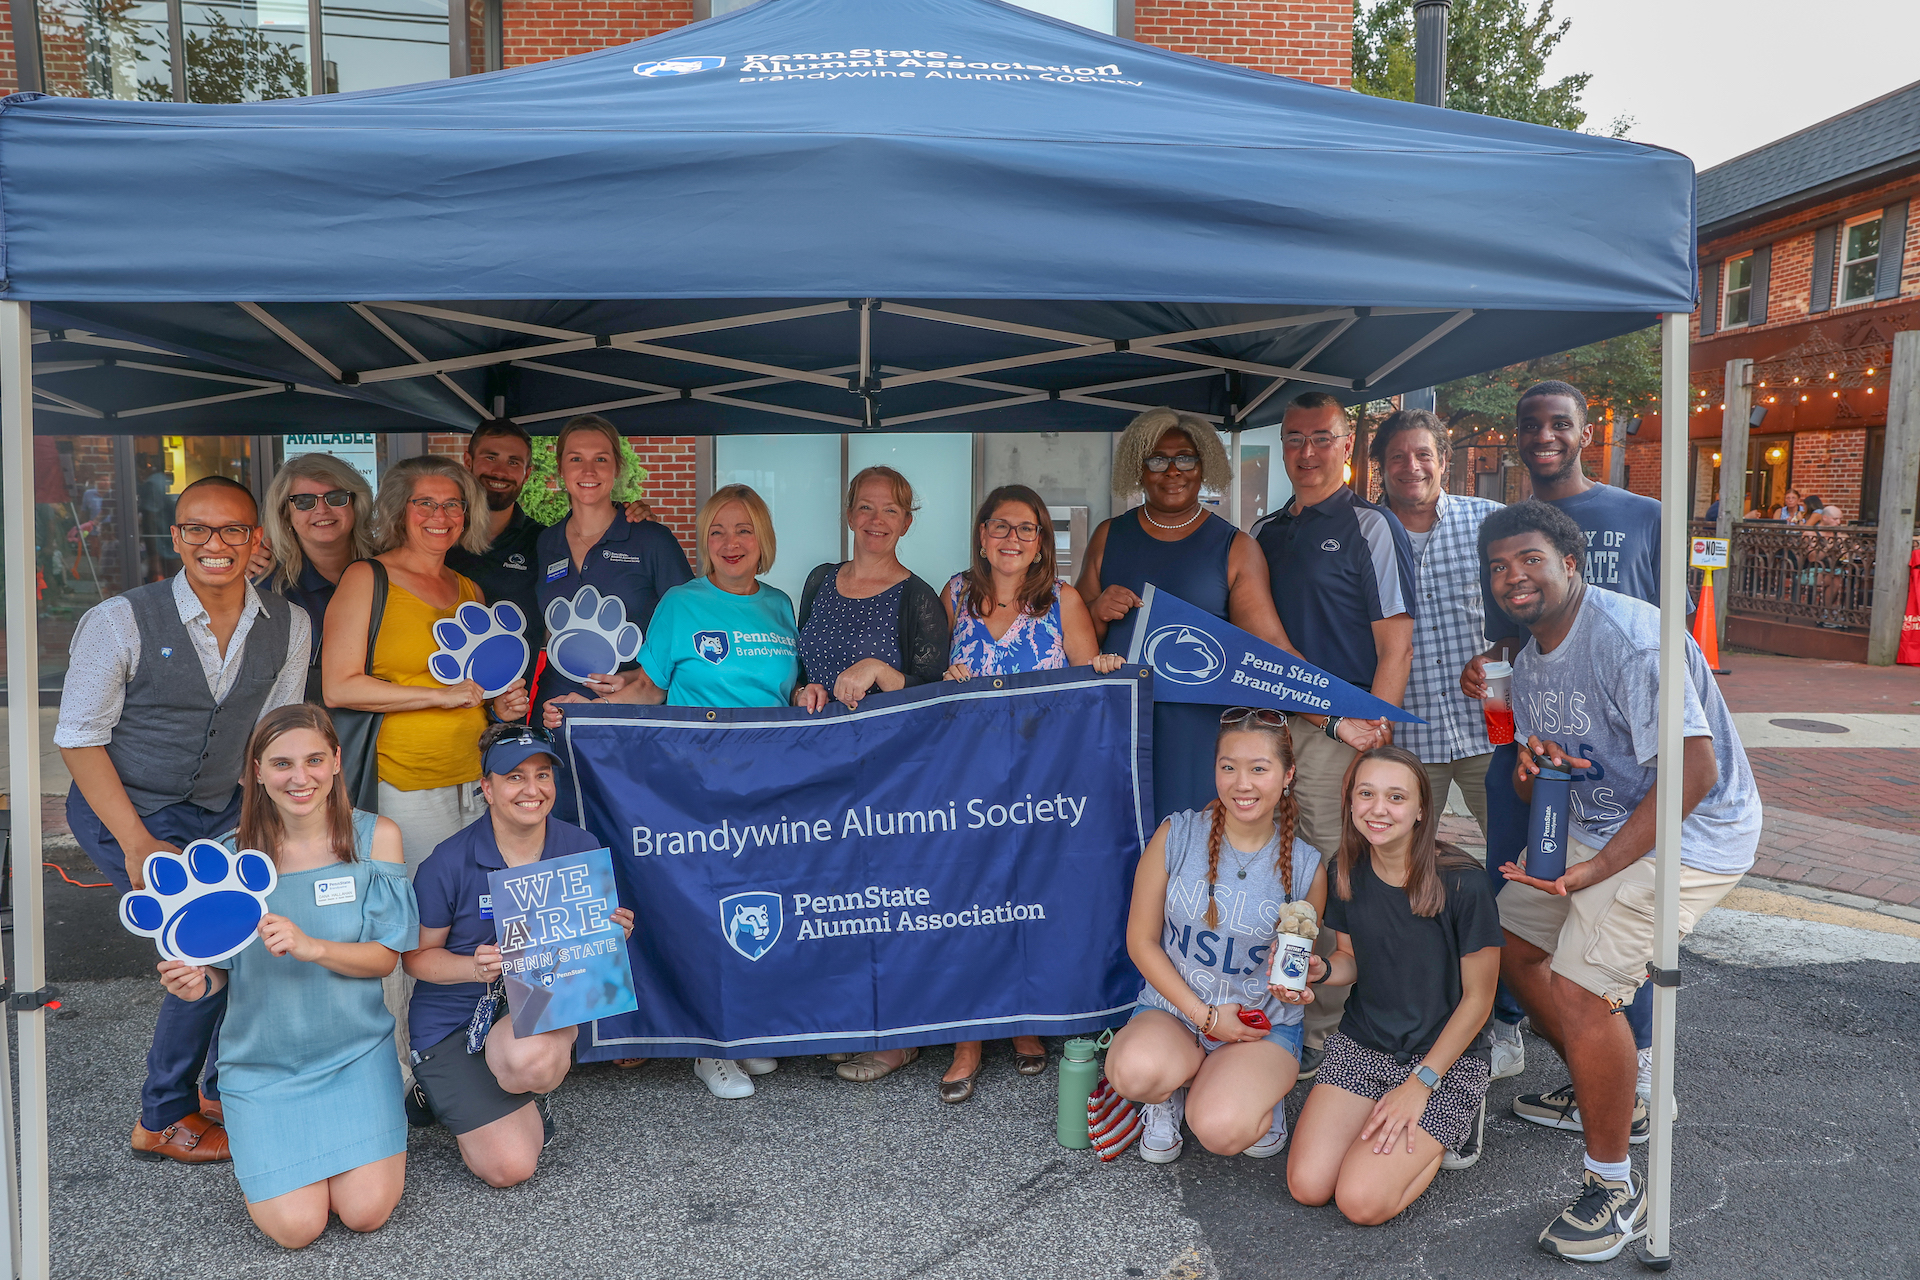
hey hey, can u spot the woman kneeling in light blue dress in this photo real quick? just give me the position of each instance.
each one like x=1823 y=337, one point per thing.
x=308 y=1072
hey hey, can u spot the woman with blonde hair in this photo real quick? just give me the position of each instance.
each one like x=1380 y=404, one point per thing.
x=375 y=659
x=695 y=656
x=308 y=1074
x=1170 y=460
x=318 y=519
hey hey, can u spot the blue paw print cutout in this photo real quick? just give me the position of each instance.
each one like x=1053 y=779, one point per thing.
x=203 y=905
x=590 y=635
x=481 y=644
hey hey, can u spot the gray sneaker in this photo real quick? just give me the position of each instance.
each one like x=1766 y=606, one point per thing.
x=1559 y=1110
x=1607 y=1217
x=1469 y=1153
x=1509 y=1050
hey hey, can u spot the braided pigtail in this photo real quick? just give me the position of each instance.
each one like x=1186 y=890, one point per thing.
x=1286 y=816
x=1214 y=834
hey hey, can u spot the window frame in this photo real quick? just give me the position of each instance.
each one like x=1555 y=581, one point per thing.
x=1727 y=291
x=1841 y=262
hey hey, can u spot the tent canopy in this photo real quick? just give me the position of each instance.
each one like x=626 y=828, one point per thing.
x=830 y=214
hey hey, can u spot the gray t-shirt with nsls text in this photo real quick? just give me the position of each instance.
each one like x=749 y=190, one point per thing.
x=1623 y=550
x=1598 y=695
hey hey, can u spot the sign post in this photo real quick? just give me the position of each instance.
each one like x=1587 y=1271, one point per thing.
x=1708 y=554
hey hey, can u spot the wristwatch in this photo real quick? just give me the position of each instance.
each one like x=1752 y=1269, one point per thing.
x=1333 y=723
x=1426 y=1076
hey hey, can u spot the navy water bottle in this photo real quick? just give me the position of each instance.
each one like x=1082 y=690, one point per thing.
x=1547 y=825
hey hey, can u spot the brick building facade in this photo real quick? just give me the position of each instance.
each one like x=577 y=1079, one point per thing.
x=1809 y=266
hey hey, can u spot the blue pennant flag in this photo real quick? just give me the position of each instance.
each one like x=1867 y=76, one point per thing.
x=1198 y=658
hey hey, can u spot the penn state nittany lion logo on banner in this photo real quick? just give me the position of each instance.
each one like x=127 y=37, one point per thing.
x=751 y=922
x=1185 y=655
x=679 y=66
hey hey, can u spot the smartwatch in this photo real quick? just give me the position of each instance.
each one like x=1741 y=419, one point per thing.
x=1333 y=724
x=1426 y=1076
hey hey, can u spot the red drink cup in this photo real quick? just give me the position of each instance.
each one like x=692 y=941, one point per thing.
x=1496 y=707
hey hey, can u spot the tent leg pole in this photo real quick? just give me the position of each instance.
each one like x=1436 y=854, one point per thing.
x=1657 y=1251
x=23 y=782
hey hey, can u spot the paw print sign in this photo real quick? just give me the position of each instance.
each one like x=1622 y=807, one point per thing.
x=203 y=905
x=590 y=635
x=485 y=645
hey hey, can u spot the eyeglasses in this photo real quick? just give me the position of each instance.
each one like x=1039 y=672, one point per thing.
x=332 y=497
x=197 y=535
x=1265 y=716
x=1001 y=528
x=1159 y=462
x=1320 y=440
x=427 y=506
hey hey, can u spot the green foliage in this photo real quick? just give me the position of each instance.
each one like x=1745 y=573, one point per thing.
x=229 y=63
x=1621 y=374
x=542 y=497
x=1496 y=59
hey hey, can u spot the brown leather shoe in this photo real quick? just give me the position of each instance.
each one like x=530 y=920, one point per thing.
x=212 y=1110
x=195 y=1140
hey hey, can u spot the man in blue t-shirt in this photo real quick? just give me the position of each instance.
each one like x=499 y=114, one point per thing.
x=1622 y=554
x=1586 y=699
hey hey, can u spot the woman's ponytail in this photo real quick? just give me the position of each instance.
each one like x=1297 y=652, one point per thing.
x=1214 y=835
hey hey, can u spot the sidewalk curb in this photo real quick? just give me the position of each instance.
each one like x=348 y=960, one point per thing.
x=1832 y=896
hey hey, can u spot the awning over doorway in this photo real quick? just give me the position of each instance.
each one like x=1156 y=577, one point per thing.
x=829 y=214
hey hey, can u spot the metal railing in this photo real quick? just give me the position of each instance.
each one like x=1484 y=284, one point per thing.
x=1809 y=576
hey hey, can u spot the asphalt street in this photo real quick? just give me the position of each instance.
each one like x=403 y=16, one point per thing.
x=1798 y=1156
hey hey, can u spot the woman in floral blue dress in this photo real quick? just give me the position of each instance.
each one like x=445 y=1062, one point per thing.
x=1011 y=613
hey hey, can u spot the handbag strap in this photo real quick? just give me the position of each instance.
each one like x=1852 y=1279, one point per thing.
x=379 y=609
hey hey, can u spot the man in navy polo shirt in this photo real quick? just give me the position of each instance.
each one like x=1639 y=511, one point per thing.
x=470 y=1071
x=1342 y=572
x=498 y=454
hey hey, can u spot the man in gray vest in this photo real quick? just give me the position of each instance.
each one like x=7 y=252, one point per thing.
x=163 y=689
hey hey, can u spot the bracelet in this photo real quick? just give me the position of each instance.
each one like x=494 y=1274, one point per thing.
x=1331 y=728
x=1213 y=1016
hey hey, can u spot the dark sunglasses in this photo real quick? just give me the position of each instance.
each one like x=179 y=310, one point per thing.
x=333 y=498
x=1265 y=716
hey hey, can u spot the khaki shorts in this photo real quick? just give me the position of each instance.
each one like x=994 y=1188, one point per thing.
x=1601 y=937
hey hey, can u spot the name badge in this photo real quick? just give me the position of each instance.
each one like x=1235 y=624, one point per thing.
x=486 y=906
x=329 y=893
x=558 y=569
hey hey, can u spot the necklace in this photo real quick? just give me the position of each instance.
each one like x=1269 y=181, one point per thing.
x=1198 y=511
x=1245 y=862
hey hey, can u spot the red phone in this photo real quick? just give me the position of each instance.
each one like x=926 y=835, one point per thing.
x=1253 y=1018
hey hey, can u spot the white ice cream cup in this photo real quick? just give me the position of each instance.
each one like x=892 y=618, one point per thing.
x=1291 y=954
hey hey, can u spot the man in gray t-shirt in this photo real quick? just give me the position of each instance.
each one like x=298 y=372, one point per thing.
x=1586 y=699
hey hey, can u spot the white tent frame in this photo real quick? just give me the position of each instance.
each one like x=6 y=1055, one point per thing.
x=29 y=1249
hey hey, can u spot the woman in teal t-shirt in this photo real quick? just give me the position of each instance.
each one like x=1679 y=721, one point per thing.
x=723 y=640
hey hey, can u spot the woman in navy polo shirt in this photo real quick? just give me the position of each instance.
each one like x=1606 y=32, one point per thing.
x=635 y=564
x=486 y=1084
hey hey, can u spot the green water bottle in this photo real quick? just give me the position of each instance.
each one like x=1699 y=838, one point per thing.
x=1079 y=1073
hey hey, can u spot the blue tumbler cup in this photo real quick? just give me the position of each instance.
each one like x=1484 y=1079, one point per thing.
x=1547 y=825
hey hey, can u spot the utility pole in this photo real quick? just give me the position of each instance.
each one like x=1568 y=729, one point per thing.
x=1429 y=89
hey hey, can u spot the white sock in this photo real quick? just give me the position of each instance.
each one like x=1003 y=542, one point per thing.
x=1615 y=1171
x=1644 y=1085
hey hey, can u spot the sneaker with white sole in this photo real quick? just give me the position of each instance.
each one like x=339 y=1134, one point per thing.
x=1161 y=1143
x=1558 y=1110
x=723 y=1079
x=1644 y=1084
x=1509 y=1050
x=1607 y=1217
x=1469 y=1153
x=757 y=1066
x=1275 y=1140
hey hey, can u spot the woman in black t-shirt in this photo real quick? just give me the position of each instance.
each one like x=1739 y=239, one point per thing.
x=1405 y=1077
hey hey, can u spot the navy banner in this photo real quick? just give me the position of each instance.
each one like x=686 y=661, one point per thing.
x=1199 y=658
x=947 y=863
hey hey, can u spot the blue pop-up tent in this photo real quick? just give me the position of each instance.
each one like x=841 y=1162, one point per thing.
x=824 y=214
x=816 y=215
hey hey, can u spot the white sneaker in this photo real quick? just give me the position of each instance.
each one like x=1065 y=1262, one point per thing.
x=757 y=1066
x=1161 y=1143
x=1275 y=1140
x=723 y=1079
x=1509 y=1050
x=1644 y=1085
x=1469 y=1153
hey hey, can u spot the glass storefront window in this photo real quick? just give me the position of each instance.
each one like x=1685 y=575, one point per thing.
x=240 y=51
x=799 y=479
x=370 y=46
x=78 y=549
x=106 y=49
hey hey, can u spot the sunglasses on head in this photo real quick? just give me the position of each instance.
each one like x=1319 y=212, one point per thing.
x=1264 y=716
x=332 y=497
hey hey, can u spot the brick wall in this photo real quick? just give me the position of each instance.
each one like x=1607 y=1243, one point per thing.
x=1831 y=465
x=671 y=480
x=1307 y=39
x=541 y=30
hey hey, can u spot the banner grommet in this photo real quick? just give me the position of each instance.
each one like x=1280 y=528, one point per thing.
x=712 y=716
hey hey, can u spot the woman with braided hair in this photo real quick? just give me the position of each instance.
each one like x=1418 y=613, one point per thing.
x=1206 y=899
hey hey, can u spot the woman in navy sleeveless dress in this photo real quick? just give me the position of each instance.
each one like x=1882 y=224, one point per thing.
x=1175 y=543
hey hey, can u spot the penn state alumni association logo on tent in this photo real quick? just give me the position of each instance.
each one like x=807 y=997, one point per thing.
x=679 y=66
x=751 y=922
x=1184 y=655
x=711 y=645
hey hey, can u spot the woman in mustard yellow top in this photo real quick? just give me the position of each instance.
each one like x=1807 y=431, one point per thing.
x=429 y=749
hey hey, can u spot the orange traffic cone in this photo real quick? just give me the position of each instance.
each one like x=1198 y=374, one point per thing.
x=1706 y=630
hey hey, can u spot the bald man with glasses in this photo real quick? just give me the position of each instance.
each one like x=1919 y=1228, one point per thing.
x=164 y=684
